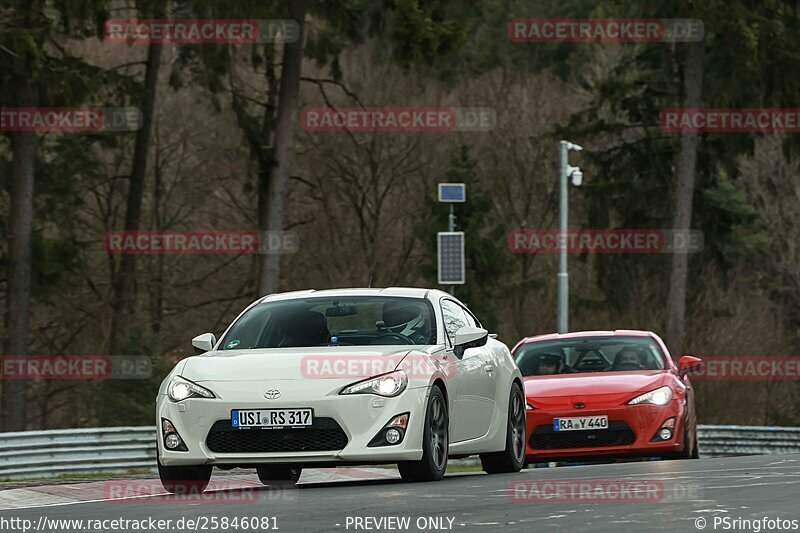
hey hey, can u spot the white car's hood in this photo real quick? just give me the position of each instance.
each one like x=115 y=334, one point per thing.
x=333 y=362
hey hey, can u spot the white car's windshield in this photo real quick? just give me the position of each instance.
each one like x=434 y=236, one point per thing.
x=589 y=354
x=347 y=321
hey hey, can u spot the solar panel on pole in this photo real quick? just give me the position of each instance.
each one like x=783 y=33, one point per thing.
x=452 y=192
x=450 y=252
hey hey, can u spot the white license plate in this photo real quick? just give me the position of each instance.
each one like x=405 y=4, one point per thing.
x=271 y=418
x=580 y=423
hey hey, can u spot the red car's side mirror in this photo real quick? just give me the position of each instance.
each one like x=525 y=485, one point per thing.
x=687 y=363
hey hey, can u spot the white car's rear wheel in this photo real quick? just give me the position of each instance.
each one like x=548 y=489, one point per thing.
x=278 y=475
x=435 y=442
x=513 y=457
x=184 y=479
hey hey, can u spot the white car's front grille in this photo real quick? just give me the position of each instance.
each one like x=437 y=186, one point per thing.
x=324 y=435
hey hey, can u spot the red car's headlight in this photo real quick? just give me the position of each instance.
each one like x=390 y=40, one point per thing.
x=660 y=396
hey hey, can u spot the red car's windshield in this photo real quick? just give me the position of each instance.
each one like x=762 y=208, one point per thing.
x=589 y=354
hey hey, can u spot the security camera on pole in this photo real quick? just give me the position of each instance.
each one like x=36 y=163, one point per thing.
x=563 y=278
x=450 y=248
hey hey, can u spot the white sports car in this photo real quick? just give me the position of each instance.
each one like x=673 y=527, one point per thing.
x=338 y=377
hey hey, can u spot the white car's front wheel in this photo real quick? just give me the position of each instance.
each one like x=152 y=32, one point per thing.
x=435 y=442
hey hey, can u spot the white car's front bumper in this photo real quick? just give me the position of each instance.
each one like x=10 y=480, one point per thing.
x=360 y=416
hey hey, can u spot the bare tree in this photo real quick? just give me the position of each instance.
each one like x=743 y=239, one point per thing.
x=288 y=98
x=684 y=194
x=18 y=297
x=124 y=297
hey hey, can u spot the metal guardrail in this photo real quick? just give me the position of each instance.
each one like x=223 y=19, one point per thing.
x=720 y=441
x=53 y=453
x=61 y=452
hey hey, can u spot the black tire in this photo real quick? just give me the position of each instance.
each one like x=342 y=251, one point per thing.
x=278 y=475
x=184 y=479
x=435 y=442
x=512 y=458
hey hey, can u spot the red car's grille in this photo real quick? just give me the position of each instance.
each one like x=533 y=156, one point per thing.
x=324 y=435
x=617 y=434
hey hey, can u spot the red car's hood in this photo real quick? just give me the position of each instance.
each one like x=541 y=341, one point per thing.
x=610 y=386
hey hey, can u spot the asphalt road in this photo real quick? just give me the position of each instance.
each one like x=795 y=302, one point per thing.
x=634 y=496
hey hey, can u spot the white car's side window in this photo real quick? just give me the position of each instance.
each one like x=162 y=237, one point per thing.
x=454 y=319
x=471 y=320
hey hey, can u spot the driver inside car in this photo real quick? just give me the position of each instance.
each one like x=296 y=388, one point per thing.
x=549 y=364
x=303 y=329
x=628 y=359
x=406 y=319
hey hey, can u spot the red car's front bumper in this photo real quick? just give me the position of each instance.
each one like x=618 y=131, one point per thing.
x=631 y=429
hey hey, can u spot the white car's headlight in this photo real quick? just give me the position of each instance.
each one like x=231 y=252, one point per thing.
x=660 y=396
x=180 y=389
x=389 y=385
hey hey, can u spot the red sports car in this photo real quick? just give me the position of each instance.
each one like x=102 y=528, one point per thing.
x=598 y=394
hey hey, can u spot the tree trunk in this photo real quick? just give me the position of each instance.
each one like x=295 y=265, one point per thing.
x=288 y=98
x=265 y=139
x=265 y=151
x=124 y=302
x=18 y=297
x=156 y=288
x=684 y=193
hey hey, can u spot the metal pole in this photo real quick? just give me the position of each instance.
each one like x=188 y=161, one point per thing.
x=451 y=227
x=563 y=277
x=451 y=220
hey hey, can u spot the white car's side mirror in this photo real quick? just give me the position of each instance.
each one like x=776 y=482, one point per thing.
x=469 y=337
x=204 y=342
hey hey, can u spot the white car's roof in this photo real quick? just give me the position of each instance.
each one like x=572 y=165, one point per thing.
x=409 y=292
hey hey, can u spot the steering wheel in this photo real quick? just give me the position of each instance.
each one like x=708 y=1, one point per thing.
x=628 y=366
x=590 y=361
x=402 y=338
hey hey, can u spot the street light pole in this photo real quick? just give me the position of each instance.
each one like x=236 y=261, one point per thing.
x=563 y=276
x=565 y=171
